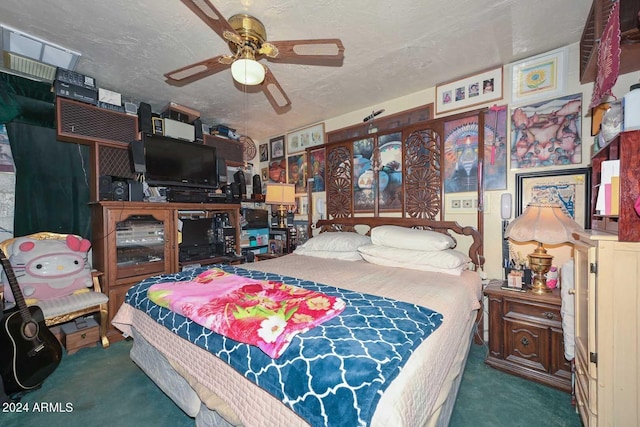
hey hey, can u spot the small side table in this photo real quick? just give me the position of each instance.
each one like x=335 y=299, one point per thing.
x=264 y=257
x=525 y=335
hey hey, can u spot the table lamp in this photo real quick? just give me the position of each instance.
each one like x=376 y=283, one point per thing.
x=544 y=223
x=282 y=195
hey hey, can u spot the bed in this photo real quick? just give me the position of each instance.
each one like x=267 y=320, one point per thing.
x=209 y=385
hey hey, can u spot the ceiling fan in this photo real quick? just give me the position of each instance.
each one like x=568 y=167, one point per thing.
x=247 y=39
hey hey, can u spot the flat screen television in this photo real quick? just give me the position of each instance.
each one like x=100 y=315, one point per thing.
x=171 y=162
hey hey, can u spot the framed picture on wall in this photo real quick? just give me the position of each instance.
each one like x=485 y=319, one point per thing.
x=473 y=90
x=277 y=148
x=304 y=138
x=570 y=188
x=541 y=76
x=264 y=152
x=547 y=133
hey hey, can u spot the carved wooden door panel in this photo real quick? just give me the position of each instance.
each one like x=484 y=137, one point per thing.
x=423 y=177
x=339 y=180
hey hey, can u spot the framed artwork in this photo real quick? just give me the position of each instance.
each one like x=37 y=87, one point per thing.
x=297 y=171
x=276 y=246
x=264 y=174
x=302 y=231
x=317 y=164
x=541 y=76
x=277 y=148
x=264 y=152
x=495 y=148
x=570 y=188
x=461 y=155
x=547 y=133
x=474 y=90
x=304 y=138
x=278 y=171
x=302 y=205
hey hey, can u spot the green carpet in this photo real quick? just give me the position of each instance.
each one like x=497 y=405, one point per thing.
x=98 y=387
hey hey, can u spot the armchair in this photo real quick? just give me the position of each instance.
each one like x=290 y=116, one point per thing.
x=58 y=305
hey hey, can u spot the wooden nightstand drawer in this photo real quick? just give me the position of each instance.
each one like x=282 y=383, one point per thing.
x=527 y=345
x=532 y=312
x=525 y=336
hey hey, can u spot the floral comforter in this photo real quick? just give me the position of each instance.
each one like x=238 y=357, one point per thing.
x=264 y=313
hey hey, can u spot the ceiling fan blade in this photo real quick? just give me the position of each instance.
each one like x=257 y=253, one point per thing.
x=213 y=18
x=274 y=93
x=321 y=51
x=193 y=72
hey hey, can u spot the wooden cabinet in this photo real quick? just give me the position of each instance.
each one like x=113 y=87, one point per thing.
x=525 y=336
x=626 y=148
x=607 y=329
x=136 y=240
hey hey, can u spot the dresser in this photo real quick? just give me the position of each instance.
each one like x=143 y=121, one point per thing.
x=525 y=335
x=607 y=332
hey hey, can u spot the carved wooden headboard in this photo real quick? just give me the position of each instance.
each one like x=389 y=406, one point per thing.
x=356 y=224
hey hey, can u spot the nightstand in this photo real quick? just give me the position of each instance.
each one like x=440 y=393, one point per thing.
x=264 y=257
x=525 y=336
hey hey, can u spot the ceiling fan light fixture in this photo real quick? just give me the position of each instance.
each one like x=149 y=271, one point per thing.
x=247 y=71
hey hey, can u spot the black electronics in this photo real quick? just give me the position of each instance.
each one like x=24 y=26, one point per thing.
x=235 y=190
x=172 y=162
x=120 y=190
x=228 y=192
x=197 y=239
x=221 y=167
x=197 y=124
x=79 y=93
x=136 y=148
x=193 y=195
x=255 y=218
x=144 y=118
x=136 y=192
x=75 y=78
x=257 y=186
x=239 y=179
x=105 y=191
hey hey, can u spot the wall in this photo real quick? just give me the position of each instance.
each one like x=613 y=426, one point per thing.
x=492 y=220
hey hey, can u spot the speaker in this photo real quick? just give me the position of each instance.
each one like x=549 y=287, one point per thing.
x=120 y=190
x=136 y=148
x=104 y=188
x=228 y=193
x=221 y=167
x=144 y=118
x=257 y=185
x=236 y=190
x=135 y=191
x=197 y=124
x=239 y=179
x=505 y=206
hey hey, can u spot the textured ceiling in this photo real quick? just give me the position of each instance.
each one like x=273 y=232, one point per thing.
x=392 y=49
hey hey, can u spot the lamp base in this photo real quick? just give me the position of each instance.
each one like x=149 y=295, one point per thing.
x=540 y=263
x=282 y=213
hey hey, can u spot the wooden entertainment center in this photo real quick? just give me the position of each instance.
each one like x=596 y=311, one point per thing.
x=133 y=240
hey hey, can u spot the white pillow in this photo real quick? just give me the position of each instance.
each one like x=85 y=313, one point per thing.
x=343 y=255
x=411 y=238
x=448 y=258
x=422 y=267
x=337 y=241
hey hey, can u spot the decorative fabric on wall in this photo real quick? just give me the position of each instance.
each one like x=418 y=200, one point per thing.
x=608 y=57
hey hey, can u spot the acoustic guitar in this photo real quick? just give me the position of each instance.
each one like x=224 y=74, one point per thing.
x=29 y=352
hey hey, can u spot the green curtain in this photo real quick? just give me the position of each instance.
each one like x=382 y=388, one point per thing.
x=52 y=177
x=52 y=184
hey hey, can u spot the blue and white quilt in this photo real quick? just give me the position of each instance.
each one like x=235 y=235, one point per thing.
x=332 y=375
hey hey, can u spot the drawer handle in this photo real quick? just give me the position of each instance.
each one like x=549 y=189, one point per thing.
x=549 y=315
x=524 y=341
x=580 y=372
x=572 y=291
